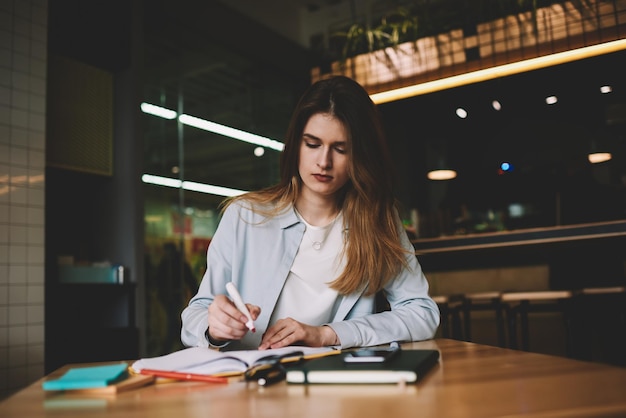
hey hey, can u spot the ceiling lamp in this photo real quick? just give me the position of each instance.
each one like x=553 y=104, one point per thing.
x=599 y=157
x=441 y=174
x=599 y=151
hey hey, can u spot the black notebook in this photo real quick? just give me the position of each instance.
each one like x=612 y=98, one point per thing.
x=408 y=366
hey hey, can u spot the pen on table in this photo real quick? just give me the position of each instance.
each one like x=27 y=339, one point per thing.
x=185 y=376
x=234 y=294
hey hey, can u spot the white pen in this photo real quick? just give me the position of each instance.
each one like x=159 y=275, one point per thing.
x=234 y=294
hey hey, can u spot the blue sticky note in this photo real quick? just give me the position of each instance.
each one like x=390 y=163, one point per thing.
x=88 y=377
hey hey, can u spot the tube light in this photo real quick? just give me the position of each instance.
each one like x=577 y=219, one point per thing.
x=230 y=132
x=158 y=111
x=190 y=185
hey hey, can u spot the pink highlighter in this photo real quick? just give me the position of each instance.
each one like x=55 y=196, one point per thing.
x=234 y=294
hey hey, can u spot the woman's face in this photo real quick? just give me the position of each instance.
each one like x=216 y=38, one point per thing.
x=323 y=164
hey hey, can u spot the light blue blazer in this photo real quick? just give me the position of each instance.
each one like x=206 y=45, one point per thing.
x=256 y=255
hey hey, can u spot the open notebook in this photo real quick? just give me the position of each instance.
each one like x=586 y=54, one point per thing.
x=206 y=361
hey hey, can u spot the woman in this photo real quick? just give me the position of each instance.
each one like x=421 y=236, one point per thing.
x=309 y=254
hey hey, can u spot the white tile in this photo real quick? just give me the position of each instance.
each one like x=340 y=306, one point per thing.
x=6 y=59
x=39 y=32
x=23 y=9
x=18 y=377
x=37 y=103
x=36 y=274
x=37 y=140
x=36 y=195
x=5 y=74
x=4 y=311
x=36 y=176
x=4 y=347
x=36 y=352
x=38 y=50
x=4 y=281
x=35 y=314
x=17 y=294
x=21 y=27
x=17 y=272
x=35 y=254
x=20 y=99
x=4 y=215
x=38 y=67
x=39 y=14
x=20 y=80
x=4 y=191
x=35 y=370
x=4 y=153
x=19 y=137
x=5 y=173
x=6 y=40
x=37 y=85
x=17 y=316
x=17 y=255
x=35 y=216
x=17 y=234
x=4 y=261
x=4 y=299
x=19 y=157
x=5 y=133
x=36 y=158
x=17 y=354
x=6 y=21
x=5 y=96
x=35 y=235
x=17 y=214
x=21 y=62
x=18 y=195
x=34 y=335
x=35 y=294
x=5 y=111
x=37 y=122
x=4 y=232
x=19 y=118
x=18 y=175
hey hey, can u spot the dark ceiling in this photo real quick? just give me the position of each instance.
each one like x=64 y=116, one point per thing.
x=207 y=60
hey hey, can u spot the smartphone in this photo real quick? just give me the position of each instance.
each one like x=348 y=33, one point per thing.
x=366 y=355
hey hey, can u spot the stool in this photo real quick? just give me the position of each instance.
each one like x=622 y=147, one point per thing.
x=449 y=307
x=483 y=301
x=599 y=325
x=522 y=303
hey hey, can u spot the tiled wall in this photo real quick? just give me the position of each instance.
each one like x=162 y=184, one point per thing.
x=23 y=57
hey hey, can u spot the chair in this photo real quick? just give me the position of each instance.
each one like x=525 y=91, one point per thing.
x=599 y=325
x=483 y=301
x=449 y=307
x=520 y=304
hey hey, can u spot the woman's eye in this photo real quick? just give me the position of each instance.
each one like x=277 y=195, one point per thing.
x=311 y=145
x=340 y=150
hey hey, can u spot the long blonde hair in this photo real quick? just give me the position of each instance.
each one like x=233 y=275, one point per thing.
x=373 y=251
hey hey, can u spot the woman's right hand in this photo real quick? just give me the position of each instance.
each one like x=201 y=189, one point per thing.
x=226 y=322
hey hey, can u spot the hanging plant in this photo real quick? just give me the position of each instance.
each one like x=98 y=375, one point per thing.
x=393 y=29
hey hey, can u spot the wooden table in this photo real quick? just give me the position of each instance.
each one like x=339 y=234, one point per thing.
x=471 y=380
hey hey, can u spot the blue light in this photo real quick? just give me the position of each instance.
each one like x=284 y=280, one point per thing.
x=506 y=166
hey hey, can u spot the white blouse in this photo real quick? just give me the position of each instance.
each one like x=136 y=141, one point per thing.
x=306 y=296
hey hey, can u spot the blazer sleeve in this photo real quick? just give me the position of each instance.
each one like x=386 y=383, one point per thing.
x=414 y=316
x=195 y=319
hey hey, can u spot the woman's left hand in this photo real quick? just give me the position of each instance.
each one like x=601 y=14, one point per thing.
x=288 y=331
